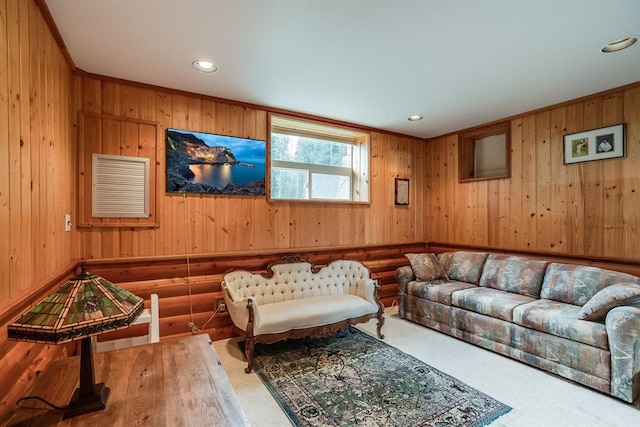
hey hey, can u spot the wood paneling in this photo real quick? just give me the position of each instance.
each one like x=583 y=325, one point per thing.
x=20 y=362
x=37 y=153
x=37 y=181
x=584 y=209
x=189 y=292
x=589 y=209
x=119 y=136
x=201 y=224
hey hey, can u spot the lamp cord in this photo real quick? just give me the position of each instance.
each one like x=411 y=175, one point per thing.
x=191 y=324
x=19 y=401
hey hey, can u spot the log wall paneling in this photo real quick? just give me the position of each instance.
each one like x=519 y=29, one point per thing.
x=585 y=208
x=20 y=362
x=182 y=296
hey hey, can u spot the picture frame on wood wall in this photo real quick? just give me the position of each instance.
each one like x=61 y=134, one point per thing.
x=597 y=144
x=402 y=192
x=205 y=163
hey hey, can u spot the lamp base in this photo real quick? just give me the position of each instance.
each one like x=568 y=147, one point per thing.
x=90 y=402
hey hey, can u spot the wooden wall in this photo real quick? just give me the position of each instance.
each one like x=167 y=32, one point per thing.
x=37 y=152
x=182 y=299
x=219 y=224
x=588 y=208
x=37 y=181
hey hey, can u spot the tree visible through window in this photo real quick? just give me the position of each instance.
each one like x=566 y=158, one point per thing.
x=311 y=161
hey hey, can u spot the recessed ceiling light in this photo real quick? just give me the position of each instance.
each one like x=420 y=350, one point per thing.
x=204 y=66
x=415 y=118
x=617 y=45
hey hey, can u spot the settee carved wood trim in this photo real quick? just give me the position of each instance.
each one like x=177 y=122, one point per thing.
x=288 y=259
x=321 y=331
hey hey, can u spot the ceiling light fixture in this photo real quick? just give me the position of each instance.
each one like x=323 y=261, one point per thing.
x=204 y=66
x=415 y=118
x=620 y=44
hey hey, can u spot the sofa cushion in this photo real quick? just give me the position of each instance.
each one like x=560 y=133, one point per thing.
x=492 y=302
x=463 y=266
x=437 y=290
x=310 y=312
x=426 y=267
x=610 y=297
x=561 y=319
x=513 y=274
x=577 y=284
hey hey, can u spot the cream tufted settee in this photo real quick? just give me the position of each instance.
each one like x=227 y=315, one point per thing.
x=293 y=299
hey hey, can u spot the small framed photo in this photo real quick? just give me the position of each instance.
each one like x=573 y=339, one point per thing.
x=597 y=144
x=402 y=192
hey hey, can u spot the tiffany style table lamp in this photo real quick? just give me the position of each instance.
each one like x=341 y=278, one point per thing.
x=84 y=306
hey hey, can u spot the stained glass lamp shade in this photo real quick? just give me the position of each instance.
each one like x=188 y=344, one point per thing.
x=86 y=305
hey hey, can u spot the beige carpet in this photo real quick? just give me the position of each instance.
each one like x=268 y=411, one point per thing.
x=537 y=398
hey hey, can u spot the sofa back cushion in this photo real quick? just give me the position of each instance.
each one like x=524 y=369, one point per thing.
x=576 y=284
x=514 y=274
x=296 y=280
x=463 y=266
x=426 y=267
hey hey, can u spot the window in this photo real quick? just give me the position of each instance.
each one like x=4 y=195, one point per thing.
x=484 y=153
x=313 y=161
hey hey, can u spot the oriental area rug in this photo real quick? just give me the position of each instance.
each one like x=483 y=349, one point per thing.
x=353 y=379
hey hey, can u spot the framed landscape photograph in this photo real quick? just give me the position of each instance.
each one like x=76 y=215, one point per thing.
x=207 y=163
x=597 y=144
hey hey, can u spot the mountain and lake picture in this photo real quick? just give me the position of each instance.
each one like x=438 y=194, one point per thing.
x=214 y=164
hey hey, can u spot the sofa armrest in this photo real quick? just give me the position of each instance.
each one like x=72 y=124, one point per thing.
x=240 y=313
x=623 y=331
x=403 y=276
x=366 y=288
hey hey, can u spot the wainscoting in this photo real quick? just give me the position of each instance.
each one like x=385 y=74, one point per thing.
x=168 y=277
x=182 y=299
x=20 y=362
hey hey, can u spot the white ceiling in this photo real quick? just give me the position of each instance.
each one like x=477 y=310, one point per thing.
x=459 y=63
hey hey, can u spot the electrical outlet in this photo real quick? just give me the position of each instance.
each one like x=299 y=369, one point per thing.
x=67 y=222
x=221 y=306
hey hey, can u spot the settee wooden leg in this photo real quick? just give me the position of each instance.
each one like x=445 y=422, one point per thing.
x=380 y=323
x=380 y=313
x=248 y=352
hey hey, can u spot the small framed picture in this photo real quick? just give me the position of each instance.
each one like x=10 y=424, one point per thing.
x=597 y=144
x=402 y=191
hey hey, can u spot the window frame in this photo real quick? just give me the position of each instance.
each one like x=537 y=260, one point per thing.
x=358 y=139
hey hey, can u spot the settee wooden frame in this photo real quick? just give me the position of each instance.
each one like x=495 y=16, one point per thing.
x=321 y=331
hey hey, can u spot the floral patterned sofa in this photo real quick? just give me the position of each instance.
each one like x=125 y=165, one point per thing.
x=579 y=322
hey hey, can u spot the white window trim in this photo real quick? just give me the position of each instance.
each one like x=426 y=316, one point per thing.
x=360 y=159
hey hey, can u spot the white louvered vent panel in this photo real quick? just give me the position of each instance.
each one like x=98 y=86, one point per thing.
x=120 y=186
